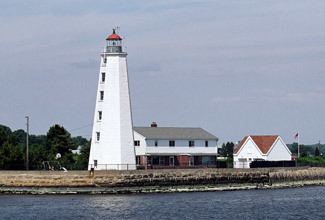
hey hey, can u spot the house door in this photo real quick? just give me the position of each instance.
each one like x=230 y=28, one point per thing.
x=171 y=161
x=242 y=163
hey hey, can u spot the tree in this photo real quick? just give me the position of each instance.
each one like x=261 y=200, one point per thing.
x=303 y=154
x=58 y=140
x=19 y=137
x=37 y=154
x=317 y=151
x=38 y=139
x=83 y=157
x=79 y=141
x=42 y=148
x=11 y=157
x=293 y=147
x=5 y=134
x=227 y=149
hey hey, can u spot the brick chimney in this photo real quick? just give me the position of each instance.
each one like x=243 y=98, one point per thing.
x=153 y=125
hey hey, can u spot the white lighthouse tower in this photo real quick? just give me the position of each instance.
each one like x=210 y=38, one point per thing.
x=112 y=145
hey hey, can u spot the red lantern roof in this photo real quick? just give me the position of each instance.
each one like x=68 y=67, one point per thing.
x=114 y=36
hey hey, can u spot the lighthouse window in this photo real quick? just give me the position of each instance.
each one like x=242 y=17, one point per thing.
x=103 y=77
x=136 y=143
x=101 y=95
x=97 y=136
x=105 y=60
x=100 y=114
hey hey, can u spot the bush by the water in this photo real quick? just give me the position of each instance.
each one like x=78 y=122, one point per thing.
x=311 y=161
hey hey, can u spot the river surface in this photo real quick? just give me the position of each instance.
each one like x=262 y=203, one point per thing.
x=298 y=203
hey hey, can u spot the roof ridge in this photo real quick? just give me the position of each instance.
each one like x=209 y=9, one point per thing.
x=264 y=142
x=261 y=143
x=263 y=135
x=175 y=133
x=164 y=127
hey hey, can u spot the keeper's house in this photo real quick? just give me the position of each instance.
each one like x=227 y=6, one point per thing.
x=163 y=147
x=260 y=147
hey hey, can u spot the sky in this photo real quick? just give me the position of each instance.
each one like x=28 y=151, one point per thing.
x=232 y=67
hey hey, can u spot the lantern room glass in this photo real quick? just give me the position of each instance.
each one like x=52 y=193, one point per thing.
x=114 y=43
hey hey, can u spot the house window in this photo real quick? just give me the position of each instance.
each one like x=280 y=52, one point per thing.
x=155 y=160
x=171 y=143
x=207 y=143
x=101 y=95
x=97 y=136
x=103 y=77
x=156 y=143
x=100 y=115
x=149 y=160
x=191 y=143
x=162 y=161
x=136 y=143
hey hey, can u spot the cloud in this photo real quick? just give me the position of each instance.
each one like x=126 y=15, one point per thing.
x=200 y=55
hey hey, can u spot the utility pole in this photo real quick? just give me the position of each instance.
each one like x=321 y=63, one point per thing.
x=298 y=136
x=27 y=142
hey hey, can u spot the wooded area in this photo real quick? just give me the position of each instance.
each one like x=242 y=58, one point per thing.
x=56 y=145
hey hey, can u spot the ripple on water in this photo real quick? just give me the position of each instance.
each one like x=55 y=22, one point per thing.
x=298 y=203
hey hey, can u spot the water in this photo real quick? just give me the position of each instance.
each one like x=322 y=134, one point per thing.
x=299 y=203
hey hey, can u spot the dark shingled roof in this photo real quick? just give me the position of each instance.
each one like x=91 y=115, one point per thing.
x=172 y=133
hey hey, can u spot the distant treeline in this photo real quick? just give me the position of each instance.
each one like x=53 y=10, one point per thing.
x=308 y=150
x=42 y=148
x=59 y=141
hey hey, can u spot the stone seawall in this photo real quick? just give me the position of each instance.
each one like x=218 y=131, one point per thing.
x=160 y=179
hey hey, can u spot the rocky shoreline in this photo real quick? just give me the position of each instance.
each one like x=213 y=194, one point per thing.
x=157 y=181
x=151 y=189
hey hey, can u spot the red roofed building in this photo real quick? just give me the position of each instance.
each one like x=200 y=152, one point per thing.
x=260 y=147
